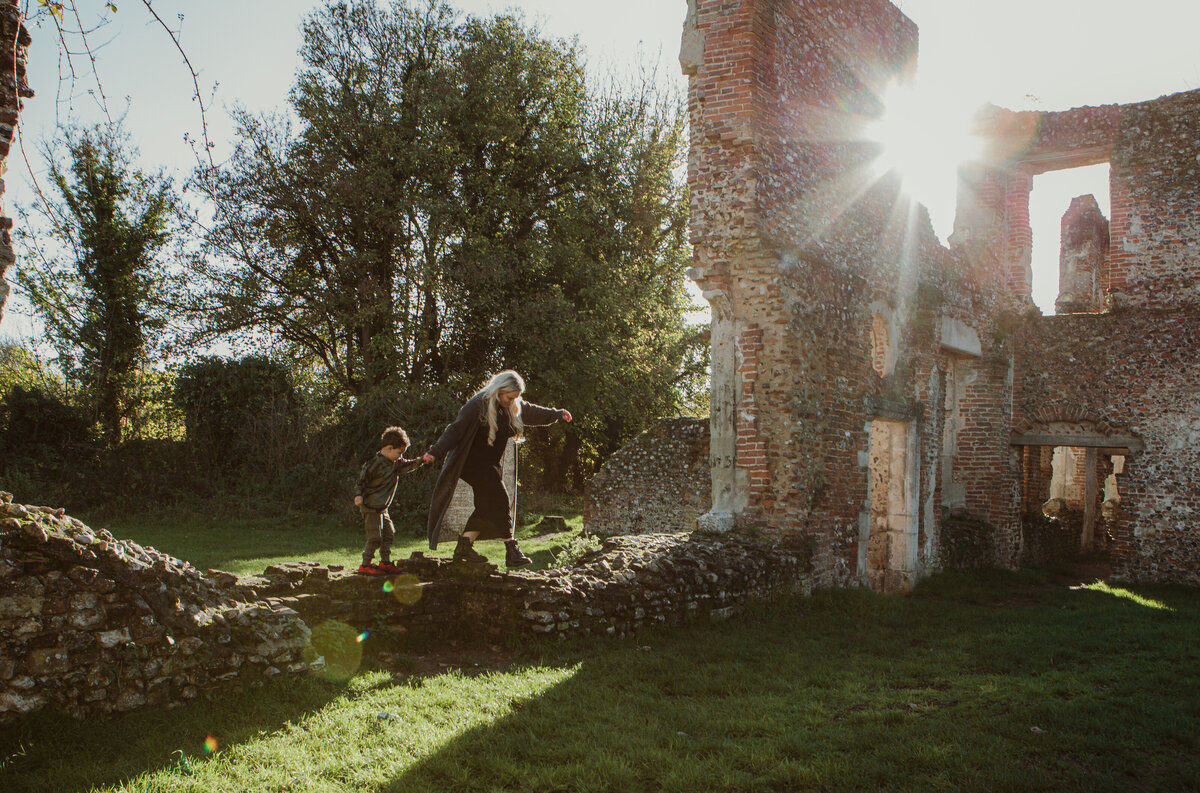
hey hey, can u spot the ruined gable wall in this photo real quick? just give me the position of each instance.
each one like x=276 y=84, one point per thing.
x=1154 y=258
x=1135 y=372
x=1151 y=147
x=1134 y=368
x=821 y=249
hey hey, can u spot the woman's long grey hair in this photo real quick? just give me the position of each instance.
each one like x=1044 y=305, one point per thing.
x=501 y=382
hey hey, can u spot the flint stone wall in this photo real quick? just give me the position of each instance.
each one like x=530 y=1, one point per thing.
x=629 y=584
x=660 y=479
x=92 y=625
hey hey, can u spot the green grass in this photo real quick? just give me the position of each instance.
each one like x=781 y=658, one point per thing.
x=987 y=682
x=247 y=545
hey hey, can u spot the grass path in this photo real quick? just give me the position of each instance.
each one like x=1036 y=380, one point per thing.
x=990 y=682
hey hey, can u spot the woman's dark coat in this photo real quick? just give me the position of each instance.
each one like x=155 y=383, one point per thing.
x=455 y=444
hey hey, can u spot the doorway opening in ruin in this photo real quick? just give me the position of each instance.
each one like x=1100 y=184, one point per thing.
x=1069 y=262
x=888 y=557
x=1071 y=493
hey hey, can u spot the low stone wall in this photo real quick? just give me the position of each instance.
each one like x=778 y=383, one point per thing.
x=91 y=625
x=629 y=584
x=660 y=481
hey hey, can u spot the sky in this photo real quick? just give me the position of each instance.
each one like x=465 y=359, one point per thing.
x=1020 y=54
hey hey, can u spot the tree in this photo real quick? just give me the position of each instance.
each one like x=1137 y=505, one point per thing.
x=93 y=274
x=235 y=409
x=455 y=200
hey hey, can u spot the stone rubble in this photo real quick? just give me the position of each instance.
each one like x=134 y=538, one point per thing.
x=90 y=624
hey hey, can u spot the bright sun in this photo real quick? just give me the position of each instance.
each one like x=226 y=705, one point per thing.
x=924 y=137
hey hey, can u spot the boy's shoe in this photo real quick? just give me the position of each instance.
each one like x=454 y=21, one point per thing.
x=465 y=552
x=389 y=568
x=370 y=569
x=513 y=556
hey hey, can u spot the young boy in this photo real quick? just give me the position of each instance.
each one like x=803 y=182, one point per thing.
x=373 y=495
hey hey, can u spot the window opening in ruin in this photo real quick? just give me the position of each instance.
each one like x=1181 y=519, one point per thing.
x=889 y=559
x=1071 y=270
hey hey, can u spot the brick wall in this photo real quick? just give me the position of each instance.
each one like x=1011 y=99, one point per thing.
x=797 y=247
x=1134 y=373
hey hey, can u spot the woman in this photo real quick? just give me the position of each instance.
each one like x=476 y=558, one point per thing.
x=473 y=447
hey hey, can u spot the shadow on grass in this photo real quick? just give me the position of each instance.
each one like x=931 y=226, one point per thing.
x=1079 y=689
x=953 y=688
x=53 y=752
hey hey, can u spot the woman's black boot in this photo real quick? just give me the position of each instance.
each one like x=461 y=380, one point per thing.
x=465 y=552
x=513 y=556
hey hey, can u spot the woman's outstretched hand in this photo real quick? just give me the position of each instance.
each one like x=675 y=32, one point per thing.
x=427 y=458
x=566 y=415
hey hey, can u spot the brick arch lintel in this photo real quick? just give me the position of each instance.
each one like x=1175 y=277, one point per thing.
x=1056 y=413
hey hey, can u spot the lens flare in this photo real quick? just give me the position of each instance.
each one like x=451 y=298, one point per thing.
x=334 y=650
x=388 y=586
x=362 y=637
x=210 y=745
x=924 y=136
x=406 y=589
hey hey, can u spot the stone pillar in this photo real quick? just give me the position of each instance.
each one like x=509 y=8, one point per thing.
x=784 y=223
x=1082 y=258
x=13 y=41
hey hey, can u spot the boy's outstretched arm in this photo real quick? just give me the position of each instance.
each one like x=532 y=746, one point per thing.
x=404 y=466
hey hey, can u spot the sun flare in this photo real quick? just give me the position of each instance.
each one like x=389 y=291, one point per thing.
x=923 y=137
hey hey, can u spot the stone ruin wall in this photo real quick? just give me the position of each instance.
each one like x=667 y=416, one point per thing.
x=851 y=351
x=91 y=625
x=808 y=271
x=14 y=40
x=1124 y=365
x=657 y=483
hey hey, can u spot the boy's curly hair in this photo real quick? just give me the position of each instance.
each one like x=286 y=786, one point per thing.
x=395 y=437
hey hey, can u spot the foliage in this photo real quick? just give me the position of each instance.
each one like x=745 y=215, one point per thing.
x=92 y=271
x=457 y=200
x=46 y=445
x=20 y=365
x=237 y=409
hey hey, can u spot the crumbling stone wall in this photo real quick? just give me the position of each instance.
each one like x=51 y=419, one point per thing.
x=91 y=625
x=631 y=583
x=869 y=383
x=14 y=40
x=658 y=482
x=811 y=263
x=1128 y=373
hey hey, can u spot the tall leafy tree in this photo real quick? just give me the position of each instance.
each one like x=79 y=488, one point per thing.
x=93 y=270
x=457 y=198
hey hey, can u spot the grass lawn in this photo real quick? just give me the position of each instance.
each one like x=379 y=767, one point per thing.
x=985 y=682
x=245 y=546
